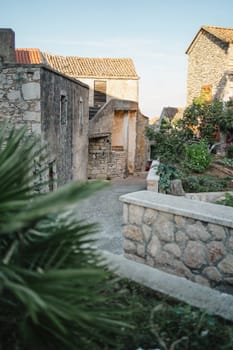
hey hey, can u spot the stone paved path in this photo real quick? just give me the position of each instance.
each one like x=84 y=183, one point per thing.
x=105 y=208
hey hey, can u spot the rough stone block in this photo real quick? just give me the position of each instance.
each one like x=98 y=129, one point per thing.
x=226 y=265
x=154 y=246
x=181 y=270
x=149 y=216
x=32 y=116
x=135 y=214
x=212 y=274
x=195 y=255
x=217 y=231
x=180 y=220
x=141 y=250
x=216 y=251
x=164 y=259
x=31 y=91
x=173 y=249
x=164 y=229
x=129 y=246
x=133 y=233
x=198 y=231
x=147 y=232
x=14 y=95
x=181 y=237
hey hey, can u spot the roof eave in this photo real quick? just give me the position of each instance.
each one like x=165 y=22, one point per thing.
x=105 y=77
x=193 y=41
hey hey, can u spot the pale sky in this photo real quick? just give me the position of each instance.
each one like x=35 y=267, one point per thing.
x=154 y=33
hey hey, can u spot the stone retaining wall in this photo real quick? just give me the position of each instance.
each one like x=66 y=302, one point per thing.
x=184 y=237
x=103 y=163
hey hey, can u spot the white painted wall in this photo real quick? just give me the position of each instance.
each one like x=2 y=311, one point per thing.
x=122 y=89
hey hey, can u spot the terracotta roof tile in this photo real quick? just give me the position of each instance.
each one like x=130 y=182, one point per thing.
x=224 y=34
x=28 y=56
x=82 y=67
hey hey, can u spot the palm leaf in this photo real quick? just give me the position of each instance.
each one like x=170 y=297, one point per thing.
x=52 y=285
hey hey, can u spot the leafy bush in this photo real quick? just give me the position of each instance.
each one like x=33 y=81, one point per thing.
x=226 y=161
x=229 y=151
x=168 y=144
x=167 y=173
x=197 y=157
x=204 y=183
x=163 y=323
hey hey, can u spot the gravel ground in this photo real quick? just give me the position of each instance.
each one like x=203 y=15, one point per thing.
x=104 y=207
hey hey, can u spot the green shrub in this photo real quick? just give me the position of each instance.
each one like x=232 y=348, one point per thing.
x=229 y=151
x=197 y=157
x=226 y=161
x=204 y=183
x=161 y=323
x=167 y=173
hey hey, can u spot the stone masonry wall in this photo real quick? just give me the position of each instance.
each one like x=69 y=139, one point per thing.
x=207 y=64
x=31 y=95
x=20 y=96
x=103 y=162
x=200 y=250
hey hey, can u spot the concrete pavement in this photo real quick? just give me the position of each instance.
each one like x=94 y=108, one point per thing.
x=104 y=207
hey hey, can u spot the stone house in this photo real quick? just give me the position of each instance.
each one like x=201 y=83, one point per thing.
x=52 y=105
x=117 y=145
x=210 y=64
x=171 y=113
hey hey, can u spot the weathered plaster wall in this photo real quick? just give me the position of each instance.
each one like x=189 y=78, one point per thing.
x=68 y=142
x=119 y=129
x=141 y=143
x=180 y=236
x=132 y=124
x=116 y=88
x=207 y=64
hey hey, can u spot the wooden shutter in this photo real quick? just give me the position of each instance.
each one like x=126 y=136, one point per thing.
x=99 y=93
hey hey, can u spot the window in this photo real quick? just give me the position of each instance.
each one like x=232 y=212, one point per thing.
x=63 y=109
x=99 y=93
x=80 y=115
x=206 y=92
x=52 y=176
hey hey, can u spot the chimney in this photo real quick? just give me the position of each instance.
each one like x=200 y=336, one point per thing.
x=7 y=45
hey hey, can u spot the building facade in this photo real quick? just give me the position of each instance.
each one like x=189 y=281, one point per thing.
x=117 y=143
x=51 y=104
x=210 y=64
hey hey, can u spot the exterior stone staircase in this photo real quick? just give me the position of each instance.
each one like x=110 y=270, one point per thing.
x=93 y=111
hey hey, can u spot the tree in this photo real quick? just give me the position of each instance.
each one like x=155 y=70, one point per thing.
x=52 y=285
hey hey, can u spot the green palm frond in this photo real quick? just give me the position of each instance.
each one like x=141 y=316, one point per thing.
x=51 y=283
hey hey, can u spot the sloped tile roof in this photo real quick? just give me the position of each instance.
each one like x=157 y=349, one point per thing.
x=28 y=56
x=224 y=34
x=84 y=67
x=80 y=67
